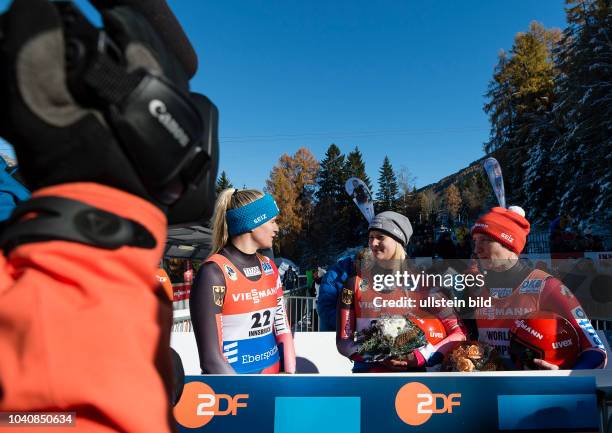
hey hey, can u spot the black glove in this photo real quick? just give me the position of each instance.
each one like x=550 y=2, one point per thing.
x=120 y=116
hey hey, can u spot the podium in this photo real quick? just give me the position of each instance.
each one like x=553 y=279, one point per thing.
x=333 y=400
x=374 y=403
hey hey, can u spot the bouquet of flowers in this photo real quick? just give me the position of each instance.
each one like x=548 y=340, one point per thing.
x=389 y=336
x=473 y=356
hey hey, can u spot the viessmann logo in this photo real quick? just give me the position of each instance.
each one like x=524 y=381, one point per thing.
x=199 y=404
x=415 y=403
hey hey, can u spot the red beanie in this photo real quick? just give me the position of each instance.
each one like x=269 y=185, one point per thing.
x=505 y=226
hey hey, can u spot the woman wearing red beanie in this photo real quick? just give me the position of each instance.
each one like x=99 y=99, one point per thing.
x=517 y=290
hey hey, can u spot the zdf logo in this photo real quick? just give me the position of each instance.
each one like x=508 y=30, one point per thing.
x=415 y=403
x=199 y=404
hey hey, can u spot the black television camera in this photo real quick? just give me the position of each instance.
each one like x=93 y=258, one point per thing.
x=167 y=135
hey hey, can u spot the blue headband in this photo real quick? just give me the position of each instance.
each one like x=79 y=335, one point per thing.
x=246 y=218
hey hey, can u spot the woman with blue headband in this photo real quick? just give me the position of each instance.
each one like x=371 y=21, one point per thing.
x=236 y=305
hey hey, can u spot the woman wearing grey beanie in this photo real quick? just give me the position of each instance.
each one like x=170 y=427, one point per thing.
x=381 y=300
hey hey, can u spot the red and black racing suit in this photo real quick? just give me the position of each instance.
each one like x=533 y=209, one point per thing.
x=521 y=290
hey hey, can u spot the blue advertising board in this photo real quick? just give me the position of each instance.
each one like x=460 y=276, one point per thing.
x=387 y=403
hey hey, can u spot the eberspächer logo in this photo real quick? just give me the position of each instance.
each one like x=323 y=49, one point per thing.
x=415 y=403
x=199 y=404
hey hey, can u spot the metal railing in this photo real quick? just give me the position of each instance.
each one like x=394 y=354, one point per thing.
x=602 y=324
x=302 y=313
x=537 y=243
x=303 y=317
x=182 y=321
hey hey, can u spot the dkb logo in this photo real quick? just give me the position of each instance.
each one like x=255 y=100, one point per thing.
x=415 y=403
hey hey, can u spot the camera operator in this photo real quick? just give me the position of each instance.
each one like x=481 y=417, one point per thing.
x=114 y=147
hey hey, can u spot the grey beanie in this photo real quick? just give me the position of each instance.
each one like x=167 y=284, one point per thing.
x=396 y=225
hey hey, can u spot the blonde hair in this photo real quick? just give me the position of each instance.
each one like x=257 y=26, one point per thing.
x=367 y=262
x=400 y=252
x=230 y=198
x=399 y=258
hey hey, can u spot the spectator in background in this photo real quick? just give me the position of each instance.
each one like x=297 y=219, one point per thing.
x=318 y=276
x=332 y=284
x=12 y=191
x=290 y=280
x=598 y=244
x=165 y=282
x=428 y=247
x=556 y=242
x=464 y=248
x=445 y=248
x=417 y=248
x=310 y=291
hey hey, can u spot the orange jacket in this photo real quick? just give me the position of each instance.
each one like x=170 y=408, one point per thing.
x=86 y=330
x=164 y=280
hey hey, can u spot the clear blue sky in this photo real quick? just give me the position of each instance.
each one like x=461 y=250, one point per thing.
x=399 y=78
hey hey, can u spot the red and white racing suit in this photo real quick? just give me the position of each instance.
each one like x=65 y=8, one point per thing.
x=539 y=291
x=359 y=304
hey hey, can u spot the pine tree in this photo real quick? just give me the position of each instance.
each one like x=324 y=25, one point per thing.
x=355 y=167
x=222 y=183
x=583 y=154
x=328 y=231
x=521 y=95
x=500 y=105
x=331 y=175
x=386 y=195
x=476 y=195
x=539 y=181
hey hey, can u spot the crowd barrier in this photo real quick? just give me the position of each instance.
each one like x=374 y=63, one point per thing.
x=301 y=311
x=303 y=316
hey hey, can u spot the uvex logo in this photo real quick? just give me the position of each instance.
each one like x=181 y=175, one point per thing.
x=199 y=404
x=507 y=237
x=560 y=344
x=415 y=403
